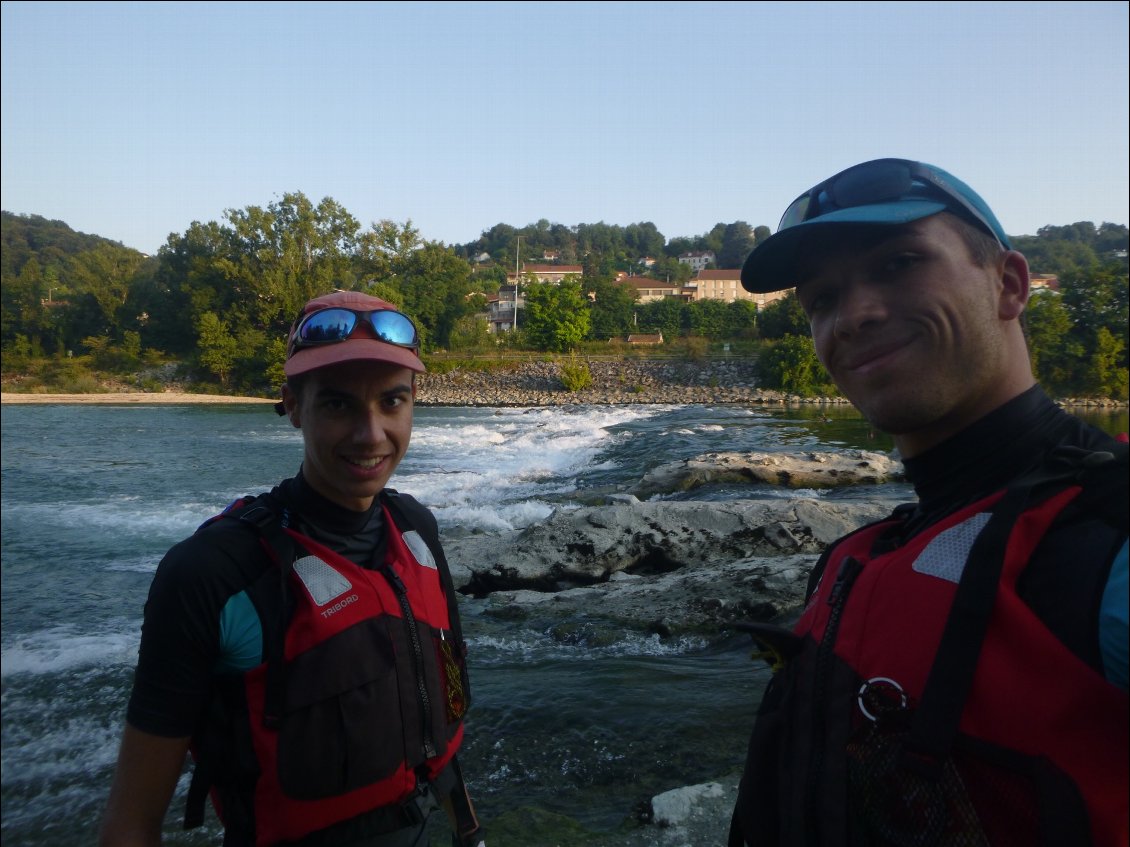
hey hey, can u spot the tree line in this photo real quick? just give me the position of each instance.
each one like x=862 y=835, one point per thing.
x=220 y=296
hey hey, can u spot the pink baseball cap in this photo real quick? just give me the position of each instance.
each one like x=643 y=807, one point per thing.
x=349 y=326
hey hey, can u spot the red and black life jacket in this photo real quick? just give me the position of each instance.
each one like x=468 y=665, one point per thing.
x=360 y=697
x=922 y=702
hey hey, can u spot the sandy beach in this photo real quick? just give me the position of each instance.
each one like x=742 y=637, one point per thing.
x=138 y=398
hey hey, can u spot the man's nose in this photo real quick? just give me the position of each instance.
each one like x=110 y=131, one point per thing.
x=370 y=427
x=860 y=306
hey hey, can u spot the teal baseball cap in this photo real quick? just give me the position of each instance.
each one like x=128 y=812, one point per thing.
x=882 y=192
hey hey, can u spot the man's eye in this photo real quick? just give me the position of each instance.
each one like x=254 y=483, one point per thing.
x=817 y=301
x=900 y=262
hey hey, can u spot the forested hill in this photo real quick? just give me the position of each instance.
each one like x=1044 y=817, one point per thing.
x=217 y=299
x=49 y=242
x=1053 y=250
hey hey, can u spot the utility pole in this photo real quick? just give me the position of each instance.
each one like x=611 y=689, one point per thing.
x=517 y=254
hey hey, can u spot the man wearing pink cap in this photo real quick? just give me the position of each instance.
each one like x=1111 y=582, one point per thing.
x=305 y=645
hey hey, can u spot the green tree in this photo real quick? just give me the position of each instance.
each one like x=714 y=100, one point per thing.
x=186 y=282
x=435 y=284
x=738 y=240
x=790 y=364
x=611 y=309
x=285 y=254
x=670 y=270
x=384 y=245
x=218 y=348
x=274 y=374
x=708 y=318
x=1056 y=355
x=557 y=316
x=741 y=319
x=1106 y=376
x=666 y=316
x=643 y=239
x=22 y=314
x=782 y=317
x=1097 y=298
x=470 y=333
x=100 y=281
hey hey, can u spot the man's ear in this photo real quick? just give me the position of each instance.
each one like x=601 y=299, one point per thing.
x=291 y=405
x=1015 y=286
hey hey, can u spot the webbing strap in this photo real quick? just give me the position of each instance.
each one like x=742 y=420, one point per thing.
x=466 y=822
x=937 y=718
x=269 y=524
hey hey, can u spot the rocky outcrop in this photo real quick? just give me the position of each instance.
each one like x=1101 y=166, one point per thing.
x=665 y=566
x=812 y=469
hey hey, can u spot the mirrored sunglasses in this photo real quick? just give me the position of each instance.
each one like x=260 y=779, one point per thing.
x=330 y=326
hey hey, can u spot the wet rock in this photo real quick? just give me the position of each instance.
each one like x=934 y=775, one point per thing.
x=808 y=469
x=675 y=807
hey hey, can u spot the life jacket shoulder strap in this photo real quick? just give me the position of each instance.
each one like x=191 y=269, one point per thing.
x=266 y=517
x=409 y=514
x=1101 y=475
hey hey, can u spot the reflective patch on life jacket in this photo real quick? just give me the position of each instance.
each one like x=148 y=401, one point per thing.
x=322 y=581
x=420 y=550
x=946 y=554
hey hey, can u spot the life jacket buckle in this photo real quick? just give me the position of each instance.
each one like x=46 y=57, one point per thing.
x=881 y=696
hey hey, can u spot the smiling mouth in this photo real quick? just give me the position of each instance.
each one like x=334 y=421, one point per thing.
x=366 y=464
x=874 y=356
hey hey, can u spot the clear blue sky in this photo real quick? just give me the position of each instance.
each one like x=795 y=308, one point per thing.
x=132 y=120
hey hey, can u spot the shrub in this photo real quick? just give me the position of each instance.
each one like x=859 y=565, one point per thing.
x=575 y=375
x=790 y=365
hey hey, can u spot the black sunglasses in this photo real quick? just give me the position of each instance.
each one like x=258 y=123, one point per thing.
x=881 y=181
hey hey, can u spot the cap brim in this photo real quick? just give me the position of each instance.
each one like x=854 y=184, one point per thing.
x=772 y=264
x=352 y=350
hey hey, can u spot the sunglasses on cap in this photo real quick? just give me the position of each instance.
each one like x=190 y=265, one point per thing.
x=883 y=181
x=331 y=326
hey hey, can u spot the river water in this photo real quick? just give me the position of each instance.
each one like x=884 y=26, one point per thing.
x=563 y=723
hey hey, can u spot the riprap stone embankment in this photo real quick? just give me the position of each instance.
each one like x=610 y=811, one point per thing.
x=613 y=382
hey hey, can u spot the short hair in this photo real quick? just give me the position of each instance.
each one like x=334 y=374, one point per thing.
x=984 y=249
x=297 y=383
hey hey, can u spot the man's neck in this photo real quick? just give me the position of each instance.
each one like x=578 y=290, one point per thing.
x=958 y=420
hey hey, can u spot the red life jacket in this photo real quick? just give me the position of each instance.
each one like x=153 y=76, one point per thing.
x=361 y=696
x=852 y=744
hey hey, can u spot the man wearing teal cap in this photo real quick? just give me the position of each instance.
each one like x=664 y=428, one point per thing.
x=959 y=672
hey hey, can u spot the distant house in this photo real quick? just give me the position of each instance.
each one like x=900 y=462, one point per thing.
x=1047 y=281
x=698 y=261
x=481 y=258
x=501 y=309
x=646 y=340
x=726 y=285
x=548 y=273
x=649 y=290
